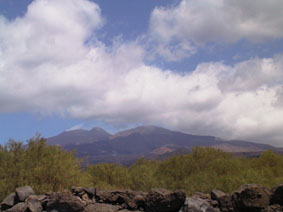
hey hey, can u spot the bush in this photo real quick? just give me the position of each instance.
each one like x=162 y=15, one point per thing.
x=109 y=176
x=45 y=168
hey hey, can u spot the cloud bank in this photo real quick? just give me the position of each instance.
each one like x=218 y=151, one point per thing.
x=194 y=23
x=51 y=62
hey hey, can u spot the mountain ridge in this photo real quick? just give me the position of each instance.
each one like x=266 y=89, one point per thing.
x=79 y=136
x=144 y=141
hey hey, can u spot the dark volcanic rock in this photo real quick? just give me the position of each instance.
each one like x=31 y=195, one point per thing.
x=273 y=208
x=8 y=202
x=201 y=195
x=20 y=207
x=251 y=198
x=64 y=202
x=90 y=192
x=102 y=208
x=248 y=198
x=277 y=195
x=39 y=198
x=216 y=194
x=207 y=198
x=128 y=199
x=84 y=193
x=34 y=206
x=159 y=200
x=196 y=204
x=24 y=192
x=224 y=200
x=77 y=190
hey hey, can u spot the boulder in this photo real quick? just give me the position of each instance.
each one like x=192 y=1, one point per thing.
x=34 y=206
x=78 y=191
x=160 y=200
x=217 y=194
x=86 y=194
x=39 y=198
x=251 y=197
x=100 y=207
x=125 y=210
x=224 y=200
x=201 y=195
x=277 y=195
x=207 y=198
x=127 y=198
x=90 y=192
x=24 y=192
x=140 y=200
x=196 y=204
x=20 y=207
x=273 y=208
x=8 y=202
x=63 y=202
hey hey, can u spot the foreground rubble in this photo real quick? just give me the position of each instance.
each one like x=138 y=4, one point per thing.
x=248 y=198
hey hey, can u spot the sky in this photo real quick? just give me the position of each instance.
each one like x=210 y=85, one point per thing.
x=207 y=67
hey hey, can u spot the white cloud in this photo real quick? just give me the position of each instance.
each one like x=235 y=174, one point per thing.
x=76 y=127
x=252 y=74
x=198 y=22
x=47 y=66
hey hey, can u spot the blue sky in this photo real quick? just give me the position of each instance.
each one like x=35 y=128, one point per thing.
x=198 y=66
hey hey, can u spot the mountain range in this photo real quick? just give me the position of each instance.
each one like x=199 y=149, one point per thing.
x=97 y=145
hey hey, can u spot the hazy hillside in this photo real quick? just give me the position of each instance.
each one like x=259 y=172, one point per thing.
x=97 y=145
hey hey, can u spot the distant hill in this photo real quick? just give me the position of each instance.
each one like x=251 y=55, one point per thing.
x=97 y=145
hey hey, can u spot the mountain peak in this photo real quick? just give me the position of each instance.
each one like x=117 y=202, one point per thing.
x=149 y=129
x=79 y=136
x=97 y=129
x=143 y=130
x=99 y=132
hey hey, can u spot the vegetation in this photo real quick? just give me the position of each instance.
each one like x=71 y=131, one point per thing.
x=45 y=168
x=202 y=170
x=48 y=168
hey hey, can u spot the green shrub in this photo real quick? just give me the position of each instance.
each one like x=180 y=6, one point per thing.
x=45 y=168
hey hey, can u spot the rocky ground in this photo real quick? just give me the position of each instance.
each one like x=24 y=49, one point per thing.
x=248 y=198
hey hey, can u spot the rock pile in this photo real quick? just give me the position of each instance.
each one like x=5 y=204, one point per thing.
x=93 y=200
x=248 y=198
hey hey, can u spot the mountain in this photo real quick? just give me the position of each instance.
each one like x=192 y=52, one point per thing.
x=143 y=130
x=80 y=136
x=97 y=145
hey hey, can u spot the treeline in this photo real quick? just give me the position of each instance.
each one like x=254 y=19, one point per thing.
x=49 y=168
